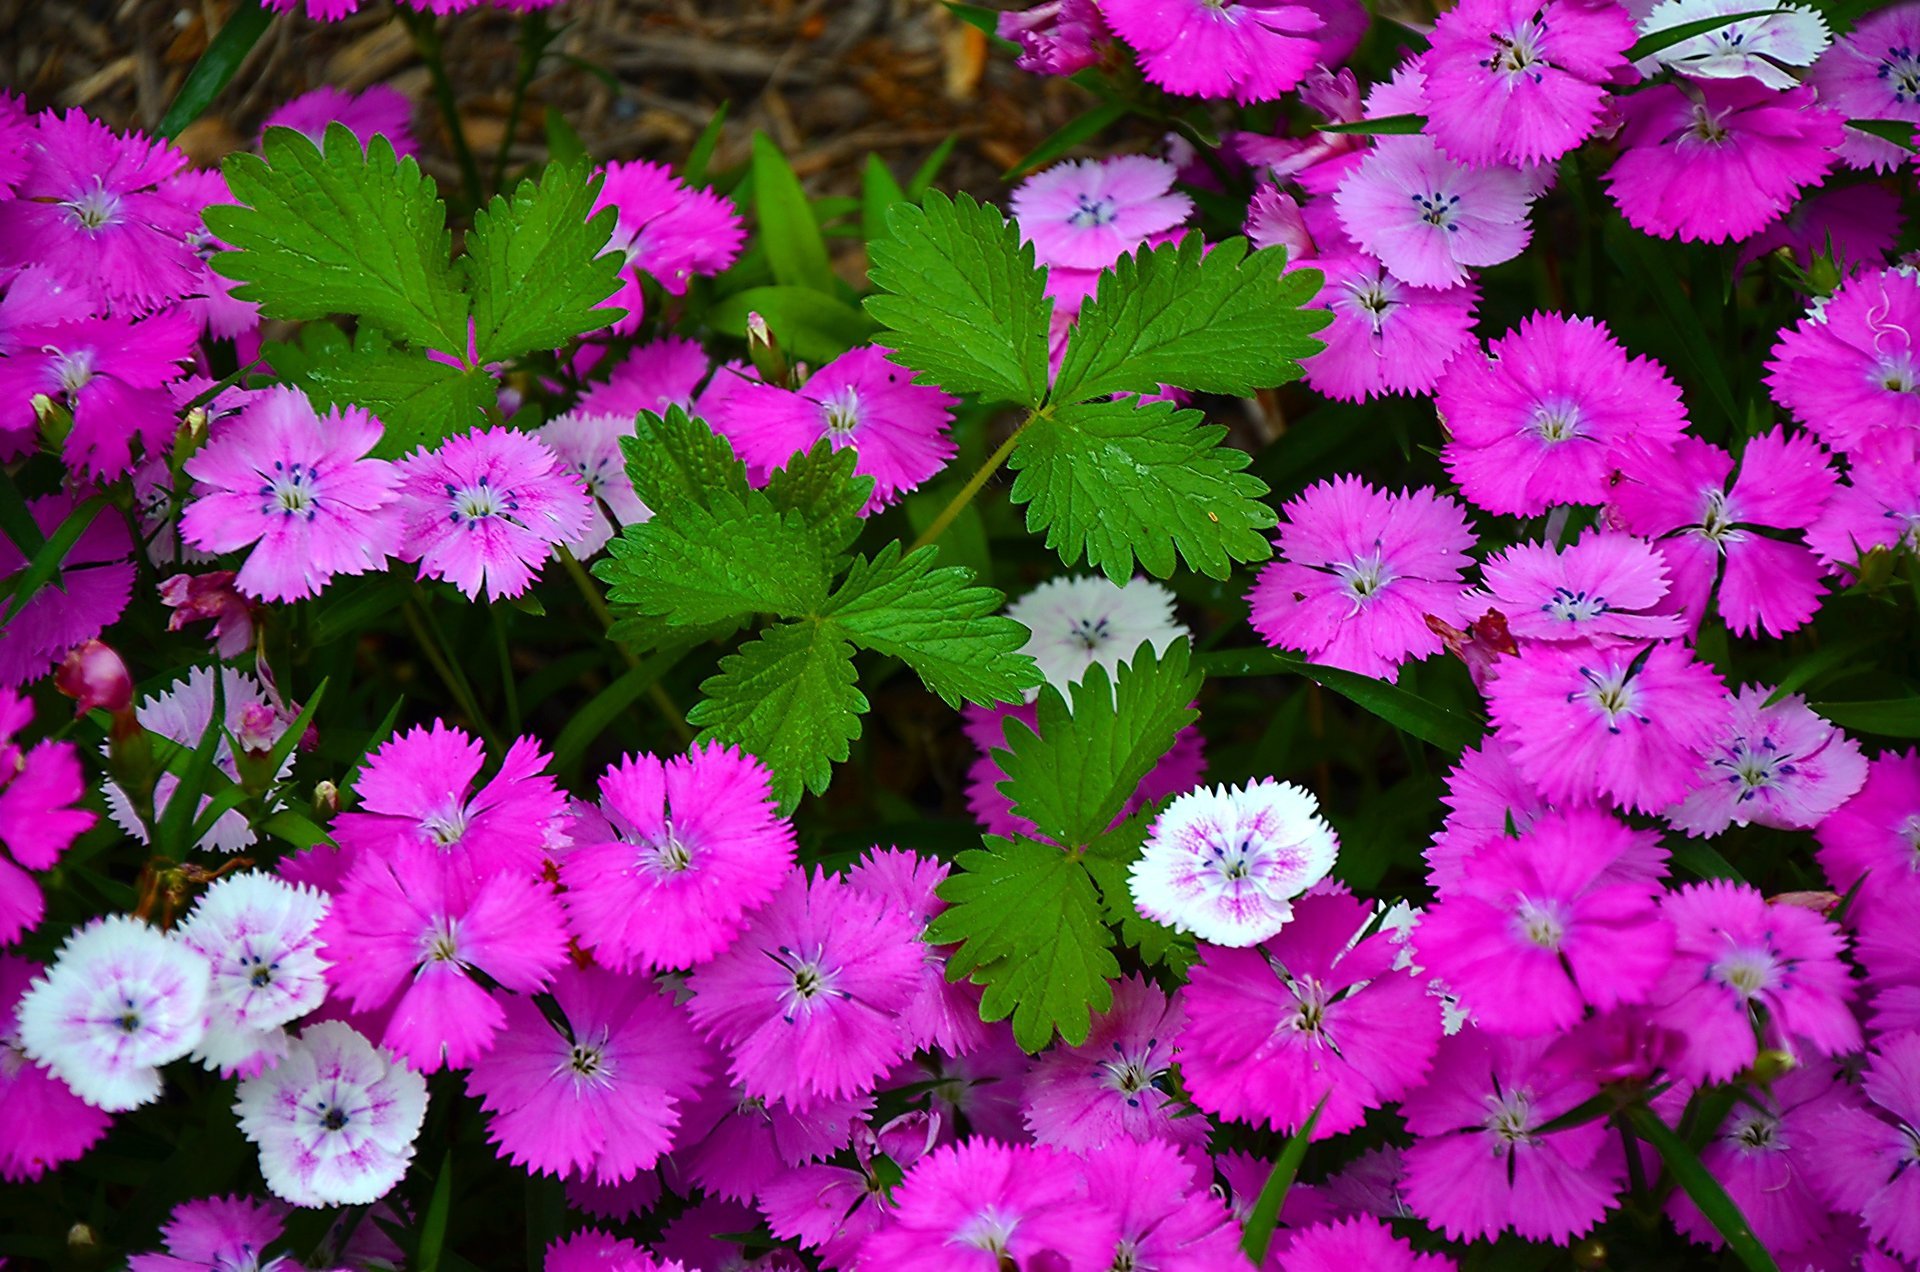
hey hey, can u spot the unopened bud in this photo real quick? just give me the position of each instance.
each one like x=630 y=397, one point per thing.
x=93 y=675
x=81 y=1237
x=326 y=797
x=1591 y=1253
x=764 y=349
x=1772 y=1064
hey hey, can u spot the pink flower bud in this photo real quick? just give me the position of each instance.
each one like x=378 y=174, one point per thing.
x=94 y=677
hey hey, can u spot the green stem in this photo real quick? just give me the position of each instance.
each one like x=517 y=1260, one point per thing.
x=534 y=38
x=420 y=623
x=508 y=689
x=590 y=592
x=958 y=504
x=426 y=38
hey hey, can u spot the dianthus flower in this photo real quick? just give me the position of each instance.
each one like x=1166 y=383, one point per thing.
x=1167 y=1221
x=1359 y=572
x=1884 y=923
x=1873 y=73
x=980 y=1205
x=1351 y=1244
x=944 y=1015
x=16 y=142
x=1518 y=82
x=39 y=785
x=1776 y=764
x=591 y=1250
x=299 y=486
x=733 y=1144
x=602 y=1100
x=809 y=1001
x=1761 y=48
x=1719 y=159
x=589 y=445
x=1086 y=214
x=260 y=937
x=666 y=229
x=416 y=792
x=1225 y=863
x=1853 y=226
x=1386 y=336
x=219 y=1234
x=1543 y=927
x=1865 y=1159
x=1114 y=1086
x=1703 y=514
x=1486 y=797
x=1249 y=50
x=1076 y=621
x=678 y=853
x=1740 y=962
x=1877 y=507
x=863 y=399
x=1310 y=1014
x=1056 y=37
x=831 y=1209
x=1851 y=368
x=1481 y=1165
x=375 y=111
x=42 y=1122
x=1541 y=419
x=706 y=1236
x=1872 y=842
x=210 y=596
x=405 y=928
x=1428 y=218
x=1179 y=770
x=90 y=590
x=120 y=1000
x=1597 y=589
x=335 y=1120
x=90 y=209
x=217 y=312
x=653 y=376
x=487 y=508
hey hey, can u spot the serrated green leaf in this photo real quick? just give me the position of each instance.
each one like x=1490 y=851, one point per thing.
x=341 y=230
x=1109 y=859
x=821 y=487
x=674 y=458
x=936 y=621
x=1217 y=321
x=1027 y=921
x=967 y=306
x=1072 y=778
x=691 y=566
x=535 y=266
x=788 y=696
x=1124 y=479
x=789 y=231
x=419 y=401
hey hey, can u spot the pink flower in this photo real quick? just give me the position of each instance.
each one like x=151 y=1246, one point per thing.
x=316 y=10
x=375 y=111
x=1088 y=213
x=1597 y=589
x=1429 y=218
x=1850 y=369
x=665 y=872
x=1542 y=418
x=1776 y=764
x=486 y=508
x=1056 y=37
x=91 y=210
x=1249 y=50
x=601 y=1100
x=832 y=1209
x=1877 y=507
x=1272 y=1029
x=666 y=229
x=1873 y=74
x=652 y=377
x=1169 y=1221
x=733 y=1144
x=1703 y=514
x=89 y=592
x=1386 y=336
x=1717 y=159
x=299 y=486
x=1853 y=226
x=705 y=1235
x=42 y=1122
x=944 y=1016
x=591 y=1250
x=220 y=315
x=1872 y=842
x=110 y=372
x=198 y=598
x=980 y=1091
x=39 y=785
x=1630 y=724
x=405 y=928
x=1114 y=1086
x=217 y=1234
x=1486 y=797
x=810 y=1001
x=862 y=399
x=1865 y=1162
x=1359 y=571
x=589 y=445
x=1514 y=81
x=1351 y=1245
x=981 y=1205
x=1543 y=927
x=1885 y=949
x=1738 y=962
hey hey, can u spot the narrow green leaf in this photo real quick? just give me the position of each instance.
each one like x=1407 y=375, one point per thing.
x=1431 y=722
x=295 y=829
x=536 y=267
x=878 y=192
x=585 y=725
x=700 y=158
x=1660 y=41
x=46 y=563
x=1897 y=131
x=1384 y=126
x=234 y=794
x=183 y=805
x=1081 y=128
x=923 y=177
x=1637 y=256
x=1258 y=1233
x=1685 y=1167
x=807 y=323
x=16 y=519
x=796 y=252
x=1833 y=654
x=1887 y=718
x=1703 y=861
x=433 y=1224
x=216 y=67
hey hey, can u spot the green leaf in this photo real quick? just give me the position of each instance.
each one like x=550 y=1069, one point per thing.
x=796 y=252
x=967 y=307
x=937 y=622
x=1685 y=1167
x=674 y=459
x=535 y=265
x=789 y=697
x=701 y=156
x=1109 y=859
x=1897 y=131
x=1636 y=256
x=1384 y=126
x=1258 y=1234
x=44 y=568
x=171 y=836
x=1666 y=37
x=923 y=177
x=563 y=143
x=1442 y=726
x=1124 y=479
x=341 y=231
x=1072 y=777
x=807 y=323
x=1214 y=322
x=216 y=67
x=16 y=520
x=585 y=725
x=1888 y=718
x=821 y=487
x=692 y=566
x=433 y=1225
x=1083 y=127
x=420 y=401
x=878 y=192
x=295 y=829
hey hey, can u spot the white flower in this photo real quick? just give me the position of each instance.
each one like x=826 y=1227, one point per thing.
x=120 y=1000
x=1224 y=863
x=335 y=1120
x=259 y=934
x=1753 y=48
x=1077 y=622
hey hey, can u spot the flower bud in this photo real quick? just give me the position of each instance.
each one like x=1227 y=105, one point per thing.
x=93 y=675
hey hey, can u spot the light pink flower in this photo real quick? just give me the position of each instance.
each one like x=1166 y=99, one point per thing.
x=1777 y=764
x=1597 y=589
x=1386 y=336
x=1427 y=218
x=1087 y=213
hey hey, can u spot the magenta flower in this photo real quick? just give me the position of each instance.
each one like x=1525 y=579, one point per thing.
x=1598 y=589
x=1386 y=336
x=91 y=210
x=487 y=508
x=980 y=1090
x=1272 y=1029
x=16 y=142
x=810 y=1001
x=217 y=1234
x=1249 y=50
x=1877 y=507
x=591 y=1250
x=299 y=486
x=1542 y=418
x=416 y=795
x=944 y=1016
x=1873 y=73
x=1704 y=514
x=1718 y=159
x=1359 y=572
x=1428 y=218
x=665 y=229
x=1850 y=369
x=1777 y=764
x=210 y=596
x=42 y=1122
x=831 y=1210
x=1169 y=1221
x=39 y=786
x=678 y=855
x=1056 y=37
x=601 y=1100
x=1865 y=1158
x=1741 y=962
x=1481 y=1165
x=1349 y=1245
x=1486 y=798
x=110 y=372
x=91 y=589
x=375 y=111
x=1885 y=949
x=652 y=377
x=1114 y=1086
x=1854 y=226
x=733 y=1145
x=981 y=1205
x=212 y=302
x=1872 y=842
x=405 y=930
x=1543 y=927
x=862 y=399
x=1087 y=213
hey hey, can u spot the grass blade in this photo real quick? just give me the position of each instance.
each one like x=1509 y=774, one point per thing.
x=216 y=67
x=1685 y=1167
x=1258 y=1234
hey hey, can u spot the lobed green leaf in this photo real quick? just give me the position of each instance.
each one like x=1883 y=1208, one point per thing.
x=536 y=268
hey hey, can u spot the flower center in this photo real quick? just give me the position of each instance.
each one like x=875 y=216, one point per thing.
x=1900 y=70
x=479 y=501
x=584 y=1061
x=670 y=854
x=442 y=942
x=96 y=208
x=1542 y=923
x=291 y=491
x=1706 y=127
x=259 y=970
x=1364 y=576
x=1555 y=422
x=128 y=1021
x=1519 y=53
x=1910 y=831
x=1510 y=1119
x=447 y=828
x=843 y=413
x=1748 y=973
x=332 y=1117
x=990 y=1231
x=811 y=980
x=1130 y=1073
x=1375 y=297
x=1754 y=768
x=1754 y=1130
x=1570 y=606
x=1091 y=213
x=1310 y=1008
x=1091 y=633
x=75 y=370
x=1895 y=373
x=1439 y=209
x=1716 y=519
x=1612 y=692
